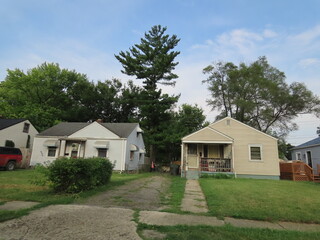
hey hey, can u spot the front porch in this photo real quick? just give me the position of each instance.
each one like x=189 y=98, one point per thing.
x=206 y=158
x=209 y=165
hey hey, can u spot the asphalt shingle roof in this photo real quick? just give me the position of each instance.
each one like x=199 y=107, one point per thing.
x=312 y=142
x=4 y=123
x=123 y=130
x=64 y=129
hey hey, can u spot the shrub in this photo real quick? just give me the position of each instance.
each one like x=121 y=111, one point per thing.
x=72 y=175
x=41 y=174
x=218 y=176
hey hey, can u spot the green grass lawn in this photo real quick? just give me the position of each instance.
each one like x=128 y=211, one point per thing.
x=17 y=185
x=175 y=194
x=263 y=199
x=226 y=233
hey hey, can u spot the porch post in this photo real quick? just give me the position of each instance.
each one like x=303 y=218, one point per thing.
x=62 y=148
x=232 y=158
x=182 y=159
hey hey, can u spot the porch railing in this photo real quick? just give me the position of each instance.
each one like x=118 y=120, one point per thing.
x=215 y=164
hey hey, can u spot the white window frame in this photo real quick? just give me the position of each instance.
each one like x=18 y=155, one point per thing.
x=26 y=127
x=107 y=153
x=55 y=153
x=261 y=153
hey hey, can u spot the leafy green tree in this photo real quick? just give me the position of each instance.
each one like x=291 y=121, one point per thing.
x=153 y=61
x=48 y=94
x=188 y=119
x=42 y=94
x=115 y=102
x=258 y=95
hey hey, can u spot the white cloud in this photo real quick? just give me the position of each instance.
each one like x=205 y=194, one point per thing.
x=309 y=62
x=307 y=36
x=283 y=50
x=267 y=33
x=239 y=40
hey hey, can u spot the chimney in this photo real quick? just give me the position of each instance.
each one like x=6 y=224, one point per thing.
x=99 y=120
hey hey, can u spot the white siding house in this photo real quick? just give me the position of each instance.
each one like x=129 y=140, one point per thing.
x=121 y=143
x=20 y=133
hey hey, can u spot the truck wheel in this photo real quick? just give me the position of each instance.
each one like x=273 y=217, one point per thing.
x=11 y=165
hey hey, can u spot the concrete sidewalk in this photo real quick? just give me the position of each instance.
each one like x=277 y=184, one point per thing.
x=194 y=200
x=171 y=219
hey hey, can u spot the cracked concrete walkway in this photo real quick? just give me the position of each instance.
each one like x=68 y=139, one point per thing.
x=194 y=200
x=171 y=219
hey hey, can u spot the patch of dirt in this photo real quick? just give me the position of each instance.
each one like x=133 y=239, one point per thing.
x=142 y=194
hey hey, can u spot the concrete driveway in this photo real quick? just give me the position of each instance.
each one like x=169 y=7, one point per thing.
x=106 y=215
x=72 y=222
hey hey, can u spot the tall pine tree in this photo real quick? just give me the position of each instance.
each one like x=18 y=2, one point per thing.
x=153 y=61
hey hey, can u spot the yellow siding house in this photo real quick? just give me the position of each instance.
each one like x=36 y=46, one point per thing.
x=229 y=146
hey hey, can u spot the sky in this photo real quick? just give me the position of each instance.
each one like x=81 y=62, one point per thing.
x=84 y=35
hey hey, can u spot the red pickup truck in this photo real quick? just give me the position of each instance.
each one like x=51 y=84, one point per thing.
x=10 y=157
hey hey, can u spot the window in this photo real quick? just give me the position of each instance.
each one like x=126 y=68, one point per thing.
x=9 y=143
x=26 y=127
x=102 y=152
x=255 y=153
x=28 y=142
x=192 y=149
x=52 y=151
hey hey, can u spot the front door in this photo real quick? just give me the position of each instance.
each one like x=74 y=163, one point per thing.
x=309 y=159
x=205 y=151
x=192 y=155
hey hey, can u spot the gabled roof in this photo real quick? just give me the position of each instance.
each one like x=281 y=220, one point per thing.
x=5 y=123
x=211 y=134
x=310 y=143
x=64 y=129
x=123 y=130
x=243 y=124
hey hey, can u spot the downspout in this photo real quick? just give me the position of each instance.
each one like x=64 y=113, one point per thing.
x=123 y=160
x=182 y=159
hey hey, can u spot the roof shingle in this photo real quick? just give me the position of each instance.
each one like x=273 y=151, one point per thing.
x=4 y=123
x=123 y=130
x=312 y=142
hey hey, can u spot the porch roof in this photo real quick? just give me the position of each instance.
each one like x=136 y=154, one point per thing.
x=209 y=142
